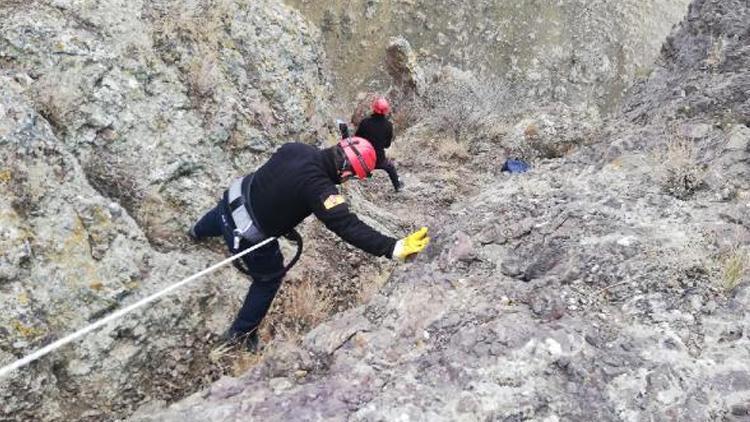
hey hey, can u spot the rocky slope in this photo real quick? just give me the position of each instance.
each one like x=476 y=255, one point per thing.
x=609 y=284
x=605 y=282
x=579 y=52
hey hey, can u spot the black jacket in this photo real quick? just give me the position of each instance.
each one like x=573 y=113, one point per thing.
x=379 y=131
x=299 y=180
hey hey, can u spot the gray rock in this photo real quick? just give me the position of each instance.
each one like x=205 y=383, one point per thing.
x=152 y=110
x=570 y=52
x=401 y=64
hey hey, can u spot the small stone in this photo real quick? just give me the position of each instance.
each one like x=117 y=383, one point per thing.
x=695 y=131
x=740 y=409
x=738 y=138
x=114 y=209
x=279 y=384
x=23 y=79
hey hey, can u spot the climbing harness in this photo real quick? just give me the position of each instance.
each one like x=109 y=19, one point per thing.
x=240 y=211
x=245 y=228
x=293 y=237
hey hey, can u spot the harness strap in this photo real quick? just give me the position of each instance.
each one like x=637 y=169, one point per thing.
x=292 y=236
x=243 y=222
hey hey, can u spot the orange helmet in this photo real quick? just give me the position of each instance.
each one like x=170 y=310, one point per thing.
x=381 y=106
x=360 y=155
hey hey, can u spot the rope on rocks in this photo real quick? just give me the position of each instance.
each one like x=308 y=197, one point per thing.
x=122 y=312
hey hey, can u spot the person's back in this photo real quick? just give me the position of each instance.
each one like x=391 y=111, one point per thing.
x=379 y=131
x=299 y=180
x=279 y=191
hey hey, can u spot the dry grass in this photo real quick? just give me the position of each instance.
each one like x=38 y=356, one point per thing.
x=5 y=176
x=734 y=268
x=115 y=177
x=372 y=286
x=233 y=360
x=450 y=149
x=681 y=174
x=307 y=306
x=302 y=307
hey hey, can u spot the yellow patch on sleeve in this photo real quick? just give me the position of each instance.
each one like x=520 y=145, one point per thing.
x=332 y=201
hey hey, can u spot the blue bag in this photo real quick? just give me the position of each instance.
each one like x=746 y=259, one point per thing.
x=516 y=166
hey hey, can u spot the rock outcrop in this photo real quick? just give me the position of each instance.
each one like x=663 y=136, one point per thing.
x=576 y=52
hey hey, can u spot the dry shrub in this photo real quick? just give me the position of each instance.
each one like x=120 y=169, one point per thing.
x=716 y=53
x=203 y=75
x=448 y=149
x=115 y=177
x=303 y=307
x=531 y=132
x=407 y=113
x=682 y=175
x=550 y=131
x=362 y=107
x=462 y=105
x=56 y=97
x=734 y=268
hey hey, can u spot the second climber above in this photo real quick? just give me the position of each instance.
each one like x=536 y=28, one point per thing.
x=379 y=131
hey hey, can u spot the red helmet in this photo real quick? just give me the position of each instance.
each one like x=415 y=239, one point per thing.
x=360 y=155
x=381 y=106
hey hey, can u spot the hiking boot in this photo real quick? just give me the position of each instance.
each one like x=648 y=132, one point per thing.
x=399 y=186
x=248 y=341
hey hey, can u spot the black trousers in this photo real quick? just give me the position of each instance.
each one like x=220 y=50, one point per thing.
x=265 y=260
x=389 y=168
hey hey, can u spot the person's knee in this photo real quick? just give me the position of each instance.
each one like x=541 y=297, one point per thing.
x=268 y=281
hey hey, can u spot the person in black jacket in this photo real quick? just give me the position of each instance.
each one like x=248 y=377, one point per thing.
x=298 y=180
x=379 y=131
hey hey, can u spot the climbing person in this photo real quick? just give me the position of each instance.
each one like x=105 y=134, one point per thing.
x=298 y=180
x=379 y=131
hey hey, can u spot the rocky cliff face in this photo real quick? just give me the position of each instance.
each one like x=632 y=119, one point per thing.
x=609 y=284
x=579 y=52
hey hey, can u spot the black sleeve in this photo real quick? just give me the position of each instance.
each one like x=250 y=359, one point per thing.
x=330 y=208
x=361 y=129
x=388 y=134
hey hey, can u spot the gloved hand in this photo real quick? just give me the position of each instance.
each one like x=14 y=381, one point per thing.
x=411 y=244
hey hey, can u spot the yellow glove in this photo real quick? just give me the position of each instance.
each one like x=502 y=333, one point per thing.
x=411 y=244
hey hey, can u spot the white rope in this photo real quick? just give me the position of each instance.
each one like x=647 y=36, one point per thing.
x=115 y=315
